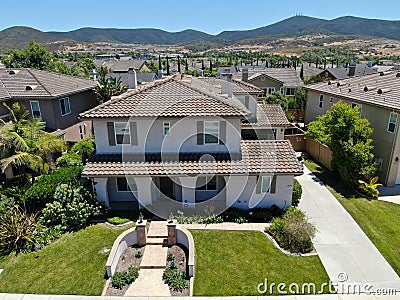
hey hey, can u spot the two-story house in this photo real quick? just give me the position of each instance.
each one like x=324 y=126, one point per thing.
x=377 y=97
x=172 y=140
x=57 y=99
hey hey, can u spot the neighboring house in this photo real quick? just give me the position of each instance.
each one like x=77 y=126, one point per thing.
x=309 y=70
x=176 y=140
x=353 y=70
x=142 y=78
x=57 y=99
x=283 y=80
x=377 y=97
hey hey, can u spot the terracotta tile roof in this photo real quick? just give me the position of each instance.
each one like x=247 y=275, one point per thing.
x=342 y=72
x=381 y=89
x=238 y=86
x=31 y=83
x=270 y=115
x=168 y=98
x=286 y=76
x=258 y=157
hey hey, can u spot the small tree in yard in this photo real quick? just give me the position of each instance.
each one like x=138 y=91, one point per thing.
x=348 y=137
x=277 y=98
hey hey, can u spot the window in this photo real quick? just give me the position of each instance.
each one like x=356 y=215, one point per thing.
x=122 y=134
x=321 y=101
x=271 y=90
x=65 y=108
x=211 y=132
x=282 y=90
x=359 y=107
x=81 y=132
x=207 y=184
x=392 y=122
x=331 y=100
x=122 y=184
x=290 y=91
x=35 y=107
x=265 y=184
x=166 y=127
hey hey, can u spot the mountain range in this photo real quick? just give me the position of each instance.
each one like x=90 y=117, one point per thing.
x=18 y=36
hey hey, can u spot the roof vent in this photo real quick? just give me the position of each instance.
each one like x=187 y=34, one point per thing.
x=382 y=91
x=332 y=82
x=341 y=83
x=398 y=74
x=30 y=87
x=13 y=72
x=385 y=73
x=369 y=88
x=349 y=90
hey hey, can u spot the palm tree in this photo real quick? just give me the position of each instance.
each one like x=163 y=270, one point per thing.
x=106 y=88
x=25 y=144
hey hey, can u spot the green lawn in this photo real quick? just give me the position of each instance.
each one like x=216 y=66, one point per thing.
x=232 y=263
x=378 y=219
x=74 y=264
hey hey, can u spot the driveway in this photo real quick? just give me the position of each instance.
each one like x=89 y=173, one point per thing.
x=349 y=257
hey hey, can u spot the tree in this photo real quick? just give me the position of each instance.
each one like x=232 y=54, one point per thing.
x=277 y=98
x=300 y=99
x=25 y=144
x=302 y=72
x=106 y=88
x=348 y=137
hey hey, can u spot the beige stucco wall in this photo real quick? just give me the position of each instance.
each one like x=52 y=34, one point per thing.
x=384 y=142
x=182 y=138
x=266 y=83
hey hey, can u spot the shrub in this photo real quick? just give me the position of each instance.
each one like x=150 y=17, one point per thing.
x=44 y=236
x=370 y=187
x=198 y=219
x=170 y=257
x=241 y=220
x=117 y=220
x=42 y=191
x=296 y=195
x=16 y=231
x=293 y=231
x=139 y=254
x=84 y=148
x=174 y=279
x=72 y=209
x=120 y=279
x=69 y=159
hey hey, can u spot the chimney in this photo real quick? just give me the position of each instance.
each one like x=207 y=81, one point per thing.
x=352 y=69
x=245 y=74
x=226 y=84
x=132 y=80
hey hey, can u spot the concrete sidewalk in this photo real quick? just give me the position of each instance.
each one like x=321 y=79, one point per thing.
x=345 y=251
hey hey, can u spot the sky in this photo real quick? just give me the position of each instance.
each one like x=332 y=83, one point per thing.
x=211 y=16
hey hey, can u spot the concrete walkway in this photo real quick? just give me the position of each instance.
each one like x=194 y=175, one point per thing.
x=392 y=199
x=149 y=282
x=226 y=226
x=345 y=251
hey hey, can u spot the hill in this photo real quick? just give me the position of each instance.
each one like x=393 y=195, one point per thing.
x=18 y=37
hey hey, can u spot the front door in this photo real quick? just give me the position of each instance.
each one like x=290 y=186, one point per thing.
x=166 y=187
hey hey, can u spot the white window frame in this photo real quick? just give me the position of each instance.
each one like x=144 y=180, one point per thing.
x=321 y=101
x=217 y=135
x=208 y=179
x=40 y=112
x=395 y=123
x=63 y=101
x=263 y=190
x=353 y=104
x=166 y=128
x=330 y=99
x=282 y=90
x=126 y=127
x=271 y=90
x=81 y=132
x=292 y=91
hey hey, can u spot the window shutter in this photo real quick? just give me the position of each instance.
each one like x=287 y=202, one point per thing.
x=111 y=134
x=222 y=132
x=258 y=185
x=133 y=132
x=200 y=132
x=246 y=101
x=272 y=189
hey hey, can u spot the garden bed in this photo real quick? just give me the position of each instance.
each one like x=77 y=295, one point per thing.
x=180 y=258
x=128 y=258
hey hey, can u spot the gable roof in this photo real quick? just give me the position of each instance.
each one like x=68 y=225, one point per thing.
x=342 y=72
x=31 y=83
x=169 y=97
x=286 y=76
x=257 y=157
x=238 y=86
x=380 y=89
x=119 y=66
x=270 y=115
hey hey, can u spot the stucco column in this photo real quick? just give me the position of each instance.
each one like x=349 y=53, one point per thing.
x=141 y=232
x=145 y=193
x=171 y=233
x=188 y=191
x=100 y=186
